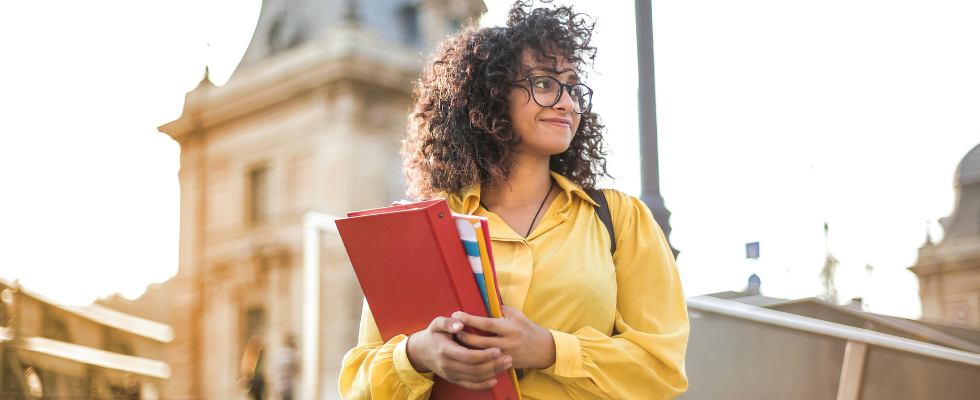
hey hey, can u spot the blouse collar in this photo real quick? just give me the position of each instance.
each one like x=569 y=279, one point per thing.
x=467 y=200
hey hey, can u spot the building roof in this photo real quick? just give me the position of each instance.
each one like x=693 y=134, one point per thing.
x=965 y=220
x=108 y=317
x=100 y=358
x=285 y=24
x=969 y=170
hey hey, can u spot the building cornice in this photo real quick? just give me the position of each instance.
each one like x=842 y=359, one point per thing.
x=345 y=53
x=948 y=256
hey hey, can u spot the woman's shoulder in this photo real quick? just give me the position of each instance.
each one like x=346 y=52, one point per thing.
x=620 y=203
x=626 y=209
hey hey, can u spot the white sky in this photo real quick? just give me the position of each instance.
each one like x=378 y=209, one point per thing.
x=774 y=117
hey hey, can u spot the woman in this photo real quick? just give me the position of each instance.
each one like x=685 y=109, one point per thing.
x=503 y=129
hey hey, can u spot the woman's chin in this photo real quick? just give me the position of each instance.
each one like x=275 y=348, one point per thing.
x=553 y=150
x=542 y=151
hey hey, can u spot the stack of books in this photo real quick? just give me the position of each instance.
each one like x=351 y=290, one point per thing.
x=419 y=261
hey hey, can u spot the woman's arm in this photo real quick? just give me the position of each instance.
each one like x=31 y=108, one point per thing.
x=645 y=356
x=375 y=369
x=644 y=359
x=379 y=370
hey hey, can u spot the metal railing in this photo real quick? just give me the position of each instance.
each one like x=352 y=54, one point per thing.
x=858 y=340
x=812 y=325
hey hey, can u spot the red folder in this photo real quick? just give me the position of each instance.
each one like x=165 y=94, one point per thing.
x=412 y=268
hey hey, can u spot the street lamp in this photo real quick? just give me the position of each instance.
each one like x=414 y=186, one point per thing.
x=649 y=157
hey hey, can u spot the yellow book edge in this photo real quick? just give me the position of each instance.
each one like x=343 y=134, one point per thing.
x=488 y=277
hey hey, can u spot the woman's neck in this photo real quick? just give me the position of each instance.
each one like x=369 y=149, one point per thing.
x=527 y=183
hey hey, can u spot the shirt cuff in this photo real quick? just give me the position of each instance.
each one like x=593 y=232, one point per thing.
x=568 y=358
x=416 y=382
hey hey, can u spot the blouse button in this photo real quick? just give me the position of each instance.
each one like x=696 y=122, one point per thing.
x=421 y=382
x=568 y=368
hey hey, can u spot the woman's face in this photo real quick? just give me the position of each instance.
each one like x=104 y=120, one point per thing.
x=544 y=131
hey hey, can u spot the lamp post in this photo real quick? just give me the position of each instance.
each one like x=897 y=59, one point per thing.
x=649 y=157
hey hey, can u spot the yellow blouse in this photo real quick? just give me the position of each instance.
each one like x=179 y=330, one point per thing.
x=619 y=322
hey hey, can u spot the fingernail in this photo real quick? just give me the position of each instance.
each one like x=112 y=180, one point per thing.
x=508 y=366
x=508 y=359
x=493 y=382
x=457 y=325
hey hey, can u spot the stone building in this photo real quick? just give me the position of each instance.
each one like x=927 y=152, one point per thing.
x=50 y=350
x=949 y=272
x=310 y=121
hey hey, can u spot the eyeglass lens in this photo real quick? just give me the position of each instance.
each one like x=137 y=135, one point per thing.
x=547 y=90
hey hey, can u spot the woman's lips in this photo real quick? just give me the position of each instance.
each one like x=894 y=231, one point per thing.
x=558 y=122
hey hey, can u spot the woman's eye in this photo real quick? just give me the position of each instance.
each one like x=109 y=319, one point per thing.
x=542 y=84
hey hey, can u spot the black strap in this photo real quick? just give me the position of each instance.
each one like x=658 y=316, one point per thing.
x=605 y=215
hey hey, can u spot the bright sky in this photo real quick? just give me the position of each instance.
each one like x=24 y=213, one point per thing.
x=774 y=117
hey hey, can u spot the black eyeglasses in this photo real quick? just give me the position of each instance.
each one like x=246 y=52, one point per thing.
x=546 y=91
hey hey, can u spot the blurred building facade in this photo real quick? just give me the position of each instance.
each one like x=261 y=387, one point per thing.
x=949 y=272
x=53 y=351
x=310 y=121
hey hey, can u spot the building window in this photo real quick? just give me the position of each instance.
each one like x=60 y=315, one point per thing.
x=258 y=195
x=116 y=342
x=254 y=322
x=253 y=326
x=53 y=326
x=409 y=20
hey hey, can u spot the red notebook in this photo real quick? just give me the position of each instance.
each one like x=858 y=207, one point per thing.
x=412 y=267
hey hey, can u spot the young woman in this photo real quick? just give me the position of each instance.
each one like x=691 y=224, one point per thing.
x=503 y=128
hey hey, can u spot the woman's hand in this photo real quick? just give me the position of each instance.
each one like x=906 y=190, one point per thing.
x=530 y=345
x=433 y=350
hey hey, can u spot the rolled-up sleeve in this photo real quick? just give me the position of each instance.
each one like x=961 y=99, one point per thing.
x=644 y=358
x=378 y=370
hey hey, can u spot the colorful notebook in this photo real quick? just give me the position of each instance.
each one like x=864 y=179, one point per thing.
x=467 y=228
x=476 y=227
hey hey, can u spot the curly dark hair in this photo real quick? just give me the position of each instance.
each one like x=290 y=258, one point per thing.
x=459 y=133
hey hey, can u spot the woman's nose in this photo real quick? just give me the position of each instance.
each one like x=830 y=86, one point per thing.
x=565 y=102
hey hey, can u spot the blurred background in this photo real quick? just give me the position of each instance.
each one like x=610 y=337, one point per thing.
x=821 y=163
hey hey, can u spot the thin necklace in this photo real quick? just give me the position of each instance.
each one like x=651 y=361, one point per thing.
x=552 y=187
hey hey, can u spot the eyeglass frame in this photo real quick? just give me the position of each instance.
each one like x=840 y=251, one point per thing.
x=561 y=91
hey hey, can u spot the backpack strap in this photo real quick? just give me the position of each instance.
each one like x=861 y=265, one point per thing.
x=605 y=215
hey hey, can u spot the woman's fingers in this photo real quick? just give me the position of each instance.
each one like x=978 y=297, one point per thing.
x=447 y=325
x=476 y=372
x=492 y=325
x=487 y=384
x=461 y=354
x=473 y=369
x=481 y=342
x=511 y=312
